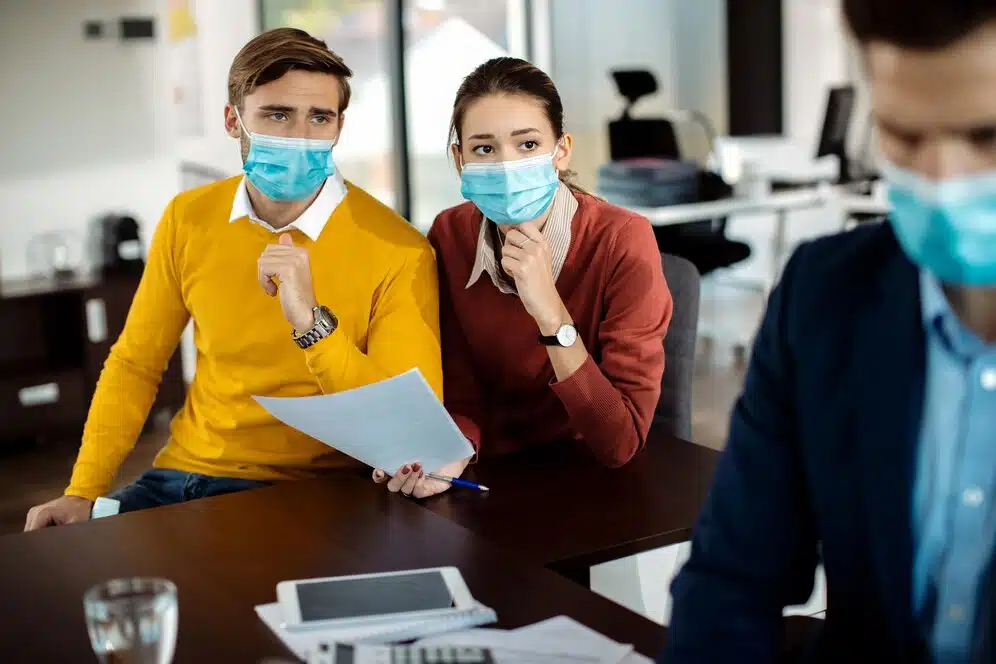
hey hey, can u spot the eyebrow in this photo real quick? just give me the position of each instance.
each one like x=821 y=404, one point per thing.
x=962 y=130
x=281 y=108
x=517 y=132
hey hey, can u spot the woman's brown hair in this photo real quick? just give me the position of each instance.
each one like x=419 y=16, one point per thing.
x=511 y=76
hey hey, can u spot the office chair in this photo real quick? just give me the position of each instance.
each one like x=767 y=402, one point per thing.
x=674 y=409
x=704 y=243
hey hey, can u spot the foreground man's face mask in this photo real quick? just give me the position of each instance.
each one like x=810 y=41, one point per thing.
x=946 y=227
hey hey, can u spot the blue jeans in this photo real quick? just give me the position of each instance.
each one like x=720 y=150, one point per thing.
x=160 y=486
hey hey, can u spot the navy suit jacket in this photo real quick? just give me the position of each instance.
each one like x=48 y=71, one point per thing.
x=819 y=466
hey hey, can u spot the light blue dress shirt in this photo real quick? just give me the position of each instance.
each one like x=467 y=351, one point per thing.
x=954 y=496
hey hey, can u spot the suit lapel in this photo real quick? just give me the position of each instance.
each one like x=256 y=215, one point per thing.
x=888 y=367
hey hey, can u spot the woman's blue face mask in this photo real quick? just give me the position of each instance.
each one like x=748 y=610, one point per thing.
x=948 y=227
x=511 y=192
x=287 y=169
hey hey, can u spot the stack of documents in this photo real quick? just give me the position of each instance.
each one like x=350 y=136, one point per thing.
x=385 y=425
x=558 y=640
x=304 y=641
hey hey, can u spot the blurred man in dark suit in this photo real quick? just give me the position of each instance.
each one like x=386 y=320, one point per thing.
x=865 y=437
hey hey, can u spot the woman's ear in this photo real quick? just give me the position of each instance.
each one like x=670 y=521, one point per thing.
x=457 y=157
x=562 y=154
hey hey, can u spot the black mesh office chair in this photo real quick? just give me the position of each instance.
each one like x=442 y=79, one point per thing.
x=704 y=243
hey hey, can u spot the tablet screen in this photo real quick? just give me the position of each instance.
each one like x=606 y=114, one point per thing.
x=358 y=598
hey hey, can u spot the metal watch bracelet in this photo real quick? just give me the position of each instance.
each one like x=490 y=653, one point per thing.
x=325 y=324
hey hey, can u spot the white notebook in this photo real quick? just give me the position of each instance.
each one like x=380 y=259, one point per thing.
x=304 y=641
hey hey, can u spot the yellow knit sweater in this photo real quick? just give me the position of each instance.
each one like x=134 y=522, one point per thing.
x=370 y=267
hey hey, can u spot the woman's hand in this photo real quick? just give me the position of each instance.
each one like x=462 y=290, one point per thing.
x=411 y=481
x=526 y=257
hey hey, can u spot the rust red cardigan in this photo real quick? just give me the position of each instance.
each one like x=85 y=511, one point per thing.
x=498 y=383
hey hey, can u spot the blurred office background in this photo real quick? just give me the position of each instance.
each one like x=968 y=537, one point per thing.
x=114 y=106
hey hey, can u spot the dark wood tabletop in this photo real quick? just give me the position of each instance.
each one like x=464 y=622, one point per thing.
x=559 y=507
x=227 y=554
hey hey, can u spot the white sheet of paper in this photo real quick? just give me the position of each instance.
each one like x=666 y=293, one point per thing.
x=385 y=425
x=559 y=640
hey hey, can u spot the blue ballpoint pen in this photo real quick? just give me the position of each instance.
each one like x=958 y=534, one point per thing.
x=456 y=481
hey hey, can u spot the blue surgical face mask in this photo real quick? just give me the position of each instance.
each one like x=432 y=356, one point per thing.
x=511 y=192
x=946 y=227
x=287 y=169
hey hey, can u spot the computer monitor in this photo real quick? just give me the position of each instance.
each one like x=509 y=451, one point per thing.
x=836 y=123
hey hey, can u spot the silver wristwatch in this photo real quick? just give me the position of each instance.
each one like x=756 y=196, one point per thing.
x=325 y=324
x=565 y=337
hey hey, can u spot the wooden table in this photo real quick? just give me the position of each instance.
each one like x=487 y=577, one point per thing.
x=566 y=512
x=227 y=554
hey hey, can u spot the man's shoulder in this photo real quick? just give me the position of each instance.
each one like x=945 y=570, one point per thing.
x=385 y=226
x=846 y=261
x=207 y=202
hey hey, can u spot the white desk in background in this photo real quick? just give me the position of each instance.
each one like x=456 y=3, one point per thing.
x=780 y=203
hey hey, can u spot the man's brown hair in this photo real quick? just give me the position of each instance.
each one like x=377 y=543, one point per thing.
x=276 y=52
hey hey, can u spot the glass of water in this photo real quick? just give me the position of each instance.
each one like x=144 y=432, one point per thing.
x=132 y=621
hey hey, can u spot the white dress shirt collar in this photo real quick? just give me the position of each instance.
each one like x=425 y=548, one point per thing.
x=312 y=220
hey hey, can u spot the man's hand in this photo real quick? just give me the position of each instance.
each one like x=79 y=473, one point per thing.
x=58 y=512
x=525 y=256
x=286 y=270
x=411 y=481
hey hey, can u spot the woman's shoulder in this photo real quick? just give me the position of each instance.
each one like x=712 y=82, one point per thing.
x=605 y=222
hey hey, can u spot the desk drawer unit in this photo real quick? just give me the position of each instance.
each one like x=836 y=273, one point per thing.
x=39 y=403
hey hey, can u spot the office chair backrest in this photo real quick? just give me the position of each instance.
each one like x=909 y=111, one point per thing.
x=674 y=409
x=641 y=138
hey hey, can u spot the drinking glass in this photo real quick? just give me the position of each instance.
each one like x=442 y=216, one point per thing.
x=132 y=621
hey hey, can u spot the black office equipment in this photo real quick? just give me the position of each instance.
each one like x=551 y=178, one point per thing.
x=137 y=28
x=647 y=150
x=120 y=246
x=836 y=124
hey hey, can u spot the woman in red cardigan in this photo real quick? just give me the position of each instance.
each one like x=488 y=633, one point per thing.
x=553 y=305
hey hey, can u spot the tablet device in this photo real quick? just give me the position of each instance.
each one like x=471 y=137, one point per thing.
x=372 y=598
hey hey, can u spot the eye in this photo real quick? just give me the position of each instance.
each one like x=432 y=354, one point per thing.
x=321 y=119
x=529 y=145
x=483 y=150
x=983 y=137
x=278 y=116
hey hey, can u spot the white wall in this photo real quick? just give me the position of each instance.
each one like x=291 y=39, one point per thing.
x=698 y=34
x=682 y=42
x=591 y=37
x=224 y=27
x=87 y=126
x=816 y=57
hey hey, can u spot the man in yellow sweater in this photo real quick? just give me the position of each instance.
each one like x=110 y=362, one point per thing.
x=298 y=283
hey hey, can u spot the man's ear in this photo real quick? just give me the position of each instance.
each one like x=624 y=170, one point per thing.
x=232 y=126
x=457 y=157
x=342 y=121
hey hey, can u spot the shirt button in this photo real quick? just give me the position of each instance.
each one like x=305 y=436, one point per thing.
x=973 y=497
x=988 y=379
x=956 y=612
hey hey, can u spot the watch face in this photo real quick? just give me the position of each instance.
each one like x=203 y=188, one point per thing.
x=567 y=335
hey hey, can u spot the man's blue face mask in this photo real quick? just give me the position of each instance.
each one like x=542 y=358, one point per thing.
x=946 y=227
x=511 y=192
x=287 y=169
